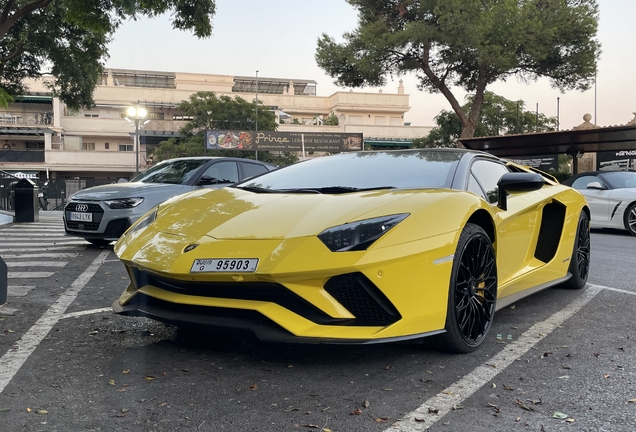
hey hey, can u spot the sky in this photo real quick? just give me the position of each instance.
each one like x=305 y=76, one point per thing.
x=278 y=38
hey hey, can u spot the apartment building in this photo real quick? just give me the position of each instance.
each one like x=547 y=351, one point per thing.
x=41 y=138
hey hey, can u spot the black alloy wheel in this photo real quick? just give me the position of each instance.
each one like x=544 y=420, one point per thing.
x=630 y=219
x=472 y=292
x=580 y=262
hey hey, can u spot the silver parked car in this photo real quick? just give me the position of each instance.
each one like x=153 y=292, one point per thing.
x=101 y=214
x=611 y=196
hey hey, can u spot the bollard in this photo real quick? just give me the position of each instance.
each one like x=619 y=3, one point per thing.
x=26 y=201
x=4 y=282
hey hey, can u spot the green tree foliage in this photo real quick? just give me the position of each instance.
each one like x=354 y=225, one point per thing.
x=68 y=39
x=468 y=44
x=206 y=111
x=498 y=116
x=5 y=98
x=331 y=120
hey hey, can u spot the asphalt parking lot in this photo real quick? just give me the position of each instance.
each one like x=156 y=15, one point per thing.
x=559 y=360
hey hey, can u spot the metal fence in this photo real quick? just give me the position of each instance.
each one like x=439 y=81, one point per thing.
x=56 y=191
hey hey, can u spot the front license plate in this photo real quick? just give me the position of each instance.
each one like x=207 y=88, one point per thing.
x=245 y=265
x=84 y=217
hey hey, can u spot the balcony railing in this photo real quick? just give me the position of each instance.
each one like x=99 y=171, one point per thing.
x=26 y=118
x=24 y=156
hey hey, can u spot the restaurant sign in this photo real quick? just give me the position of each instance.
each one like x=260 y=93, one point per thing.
x=283 y=141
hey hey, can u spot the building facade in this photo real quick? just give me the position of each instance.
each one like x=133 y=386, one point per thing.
x=41 y=138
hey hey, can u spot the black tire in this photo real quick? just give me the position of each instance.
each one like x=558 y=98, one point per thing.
x=472 y=293
x=630 y=219
x=580 y=261
x=98 y=242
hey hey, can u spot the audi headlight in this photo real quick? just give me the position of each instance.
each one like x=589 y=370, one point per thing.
x=144 y=221
x=123 y=203
x=357 y=236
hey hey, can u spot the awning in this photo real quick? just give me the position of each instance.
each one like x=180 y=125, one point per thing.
x=169 y=134
x=573 y=142
x=388 y=142
x=247 y=84
x=24 y=174
x=25 y=130
x=39 y=99
x=569 y=142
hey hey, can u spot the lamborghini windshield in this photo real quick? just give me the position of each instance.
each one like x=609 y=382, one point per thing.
x=349 y=172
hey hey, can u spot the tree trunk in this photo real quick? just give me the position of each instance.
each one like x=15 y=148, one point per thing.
x=469 y=124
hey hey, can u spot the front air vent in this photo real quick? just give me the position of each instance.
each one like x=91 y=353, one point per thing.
x=550 y=232
x=363 y=299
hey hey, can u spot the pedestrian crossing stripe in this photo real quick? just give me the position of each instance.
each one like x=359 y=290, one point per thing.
x=39 y=255
x=19 y=290
x=47 y=248
x=13 y=264
x=29 y=275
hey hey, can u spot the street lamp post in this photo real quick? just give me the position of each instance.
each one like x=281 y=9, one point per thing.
x=256 y=110
x=136 y=114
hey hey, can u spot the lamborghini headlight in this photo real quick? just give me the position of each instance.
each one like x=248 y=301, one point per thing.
x=357 y=236
x=144 y=221
x=123 y=203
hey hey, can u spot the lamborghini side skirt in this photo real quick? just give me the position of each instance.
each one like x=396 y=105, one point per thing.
x=508 y=300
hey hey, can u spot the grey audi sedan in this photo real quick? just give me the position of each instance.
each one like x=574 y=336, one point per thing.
x=101 y=214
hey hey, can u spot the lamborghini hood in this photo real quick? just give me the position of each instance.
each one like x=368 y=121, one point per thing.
x=232 y=213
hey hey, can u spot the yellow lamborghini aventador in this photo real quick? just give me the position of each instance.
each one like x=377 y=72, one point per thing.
x=359 y=248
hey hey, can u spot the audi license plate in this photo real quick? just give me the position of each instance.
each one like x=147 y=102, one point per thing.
x=83 y=217
x=245 y=265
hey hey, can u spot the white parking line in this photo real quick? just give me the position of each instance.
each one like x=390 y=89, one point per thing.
x=613 y=289
x=12 y=361
x=86 y=312
x=423 y=418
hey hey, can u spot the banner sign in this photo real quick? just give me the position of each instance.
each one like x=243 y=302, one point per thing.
x=621 y=160
x=283 y=141
x=544 y=163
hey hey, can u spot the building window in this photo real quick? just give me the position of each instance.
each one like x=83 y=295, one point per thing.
x=396 y=121
x=355 y=120
x=89 y=146
x=143 y=80
x=106 y=146
x=33 y=145
x=91 y=114
x=126 y=147
x=155 y=116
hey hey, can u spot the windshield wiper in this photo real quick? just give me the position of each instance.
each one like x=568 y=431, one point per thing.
x=335 y=189
x=257 y=189
x=319 y=190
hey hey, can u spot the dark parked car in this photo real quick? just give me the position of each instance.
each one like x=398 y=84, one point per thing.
x=102 y=214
